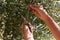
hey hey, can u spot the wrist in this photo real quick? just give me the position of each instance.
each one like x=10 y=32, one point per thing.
x=48 y=19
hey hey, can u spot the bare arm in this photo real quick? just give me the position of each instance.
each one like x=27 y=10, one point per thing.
x=53 y=27
x=43 y=15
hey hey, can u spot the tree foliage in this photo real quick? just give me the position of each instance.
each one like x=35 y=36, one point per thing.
x=12 y=13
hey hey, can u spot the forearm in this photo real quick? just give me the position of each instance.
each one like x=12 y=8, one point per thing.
x=53 y=27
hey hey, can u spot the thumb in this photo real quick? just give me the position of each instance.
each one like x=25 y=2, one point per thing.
x=26 y=29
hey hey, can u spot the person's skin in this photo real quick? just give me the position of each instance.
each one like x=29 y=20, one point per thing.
x=43 y=15
x=27 y=31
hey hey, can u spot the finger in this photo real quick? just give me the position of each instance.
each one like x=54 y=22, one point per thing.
x=23 y=24
x=26 y=29
x=31 y=7
x=34 y=7
x=31 y=26
x=24 y=20
x=36 y=13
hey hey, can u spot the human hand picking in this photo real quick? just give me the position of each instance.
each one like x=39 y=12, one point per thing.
x=39 y=11
x=27 y=31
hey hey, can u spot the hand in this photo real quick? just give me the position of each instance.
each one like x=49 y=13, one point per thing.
x=38 y=11
x=27 y=31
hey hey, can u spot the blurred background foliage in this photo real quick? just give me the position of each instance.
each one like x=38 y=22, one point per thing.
x=12 y=13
